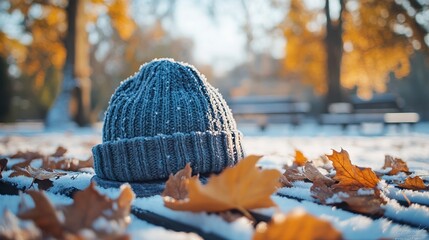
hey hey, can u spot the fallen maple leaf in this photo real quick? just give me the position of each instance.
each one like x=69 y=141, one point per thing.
x=313 y=174
x=366 y=204
x=299 y=159
x=321 y=191
x=284 y=182
x=414 y=183
x=351 y=177
x=90 y=210
x=3 y=163
x=13 y=228
x=294 y=173
x=68 y=164
x=28 y=155
x=43 y=214
x=397 y=165
x=306 y=172
x=89 y=205
x=175 y=186
x=241 y=187
x=296 y=225
x=36 y=173
x=59 y=152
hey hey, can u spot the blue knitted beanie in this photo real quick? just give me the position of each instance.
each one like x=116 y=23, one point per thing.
x=163 y=117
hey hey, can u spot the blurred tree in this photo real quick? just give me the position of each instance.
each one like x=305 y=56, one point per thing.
x=5 y=91
x=359 y=46
x=58 y=31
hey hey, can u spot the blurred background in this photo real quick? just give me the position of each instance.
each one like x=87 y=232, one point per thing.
x=327 y=60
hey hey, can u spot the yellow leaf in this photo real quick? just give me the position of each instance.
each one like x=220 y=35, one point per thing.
x=414 y=183
x=351 y=177
x=241 y=187
x=296 y=225
x=300 y=159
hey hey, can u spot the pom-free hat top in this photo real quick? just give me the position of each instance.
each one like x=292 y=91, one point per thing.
x=163 y=117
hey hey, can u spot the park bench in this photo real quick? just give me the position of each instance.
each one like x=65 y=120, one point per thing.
x=385 y=109
x=268 y=109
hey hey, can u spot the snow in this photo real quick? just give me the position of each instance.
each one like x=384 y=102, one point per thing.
x=277 y=144
x=210 y=223
x=413 y=196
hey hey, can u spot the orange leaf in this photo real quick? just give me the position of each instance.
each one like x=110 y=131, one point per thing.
x=300 y=159
x=397 y=165
x=351 y=177
x=296 y=225
x=414 y=183
x=175 y=186
x=241 y=187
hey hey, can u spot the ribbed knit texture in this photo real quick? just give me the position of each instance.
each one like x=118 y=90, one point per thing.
x=163 y=117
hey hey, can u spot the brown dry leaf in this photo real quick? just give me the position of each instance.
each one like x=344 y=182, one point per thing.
x=296 y=225
x=14 y=228
x=366 y=204
x=89 y=205
x=321 y=191
x=299 y=159
x=351 y=177
x=241 y=187
x=397 y=165
x=59 y=152
x=175 y=186
x=414 y=183
x=43 y=214
x=284 y=182
x=3 y=163
x=294 y=173
x=68 y=164
x=36 y=173
x=313 y=174
x=28 y=155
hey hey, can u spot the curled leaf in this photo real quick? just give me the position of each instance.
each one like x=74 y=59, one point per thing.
x=414 y=183
x=176 y=186
x=397 y=165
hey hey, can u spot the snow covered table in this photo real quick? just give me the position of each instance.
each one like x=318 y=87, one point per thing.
x=151 y=219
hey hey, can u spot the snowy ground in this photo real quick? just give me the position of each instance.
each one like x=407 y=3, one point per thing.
x=367 y=148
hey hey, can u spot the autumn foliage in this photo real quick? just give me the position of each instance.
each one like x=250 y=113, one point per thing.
x=76 y=221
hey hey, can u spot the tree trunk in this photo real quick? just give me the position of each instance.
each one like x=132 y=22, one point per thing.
x=334 y=50
x=76 y=84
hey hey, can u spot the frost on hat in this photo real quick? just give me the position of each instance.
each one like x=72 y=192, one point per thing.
x=163 y=117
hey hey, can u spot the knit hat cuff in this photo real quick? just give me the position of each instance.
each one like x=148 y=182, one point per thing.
x=150 y=158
